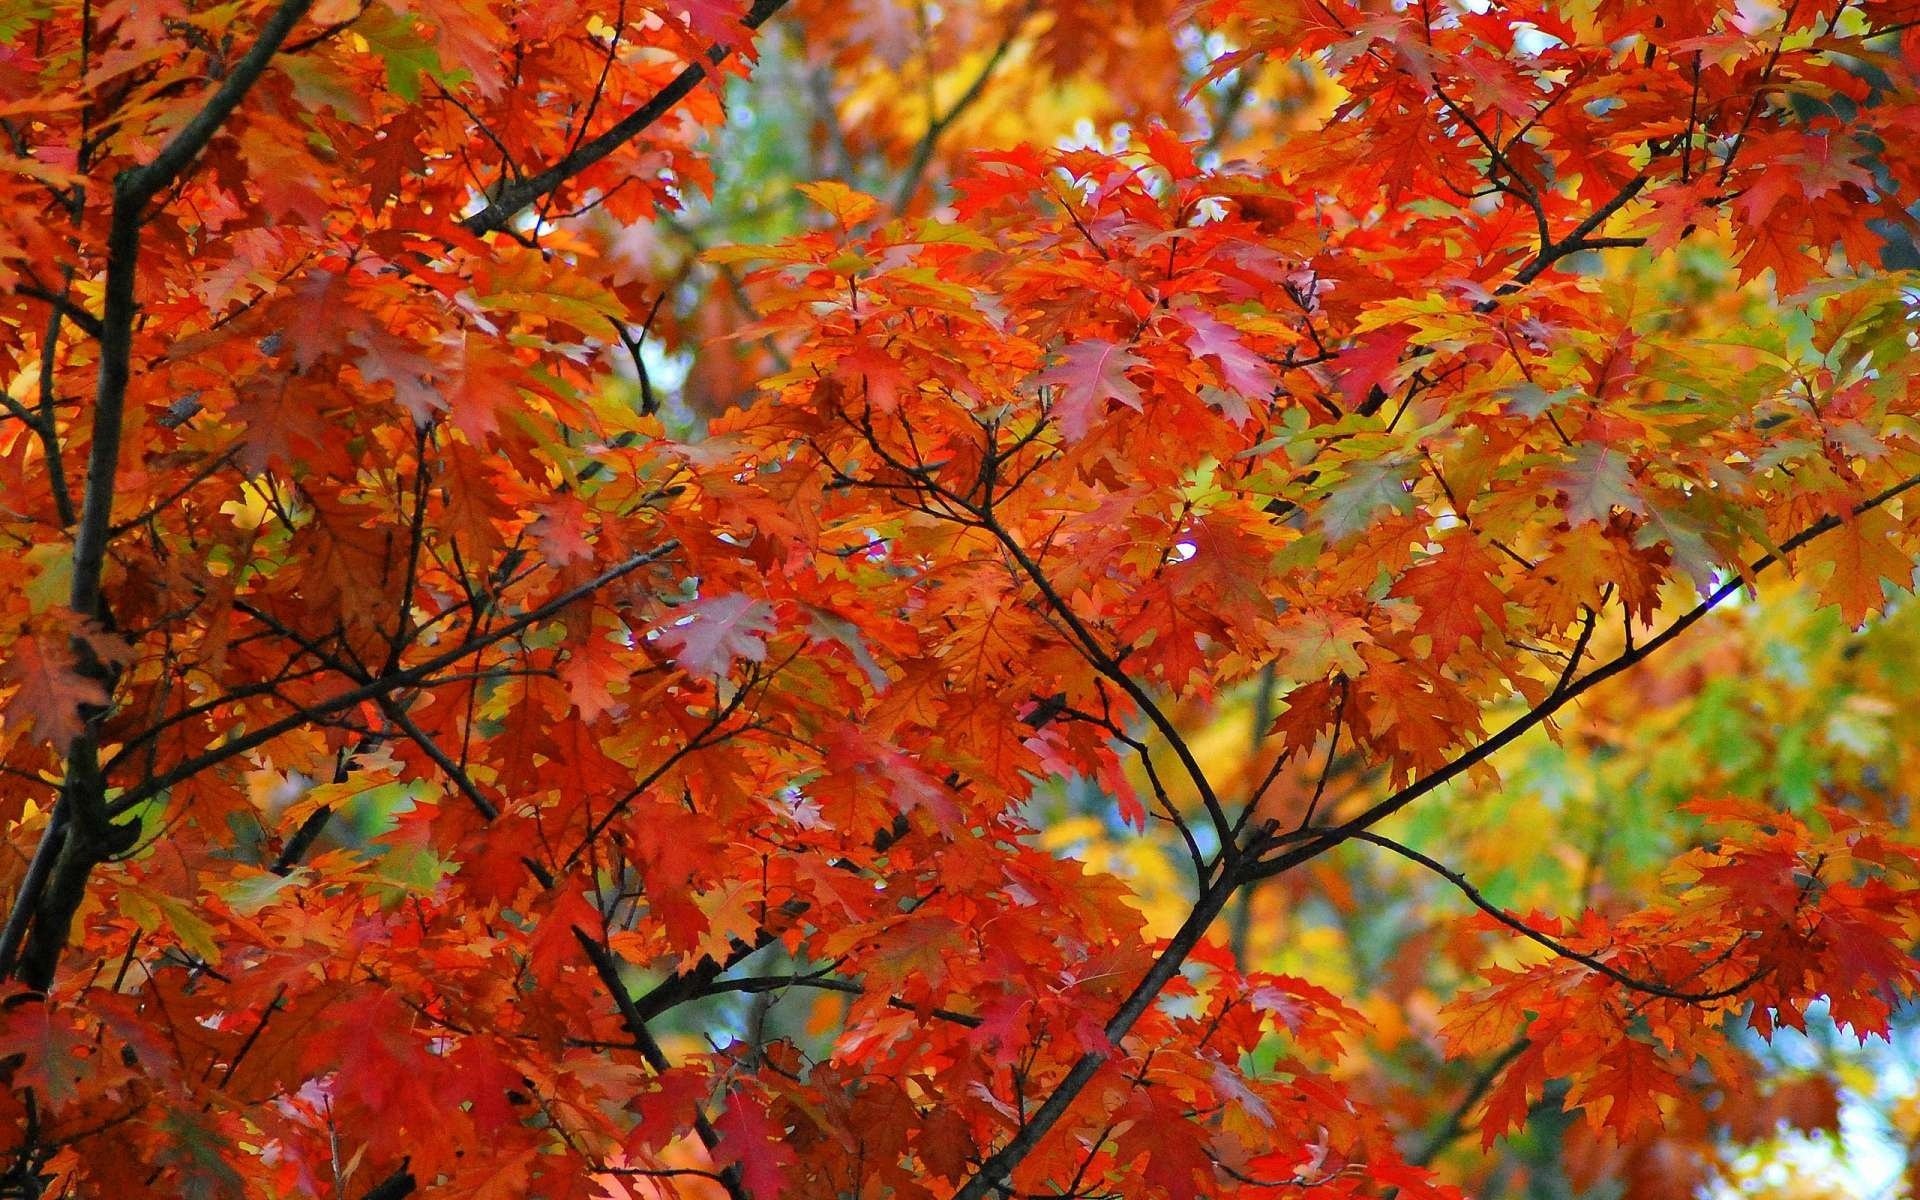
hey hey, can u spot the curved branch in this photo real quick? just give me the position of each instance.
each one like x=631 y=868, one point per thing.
x=992 y=1175
x=82 y=833
x=1559 y=948
x=608 y=969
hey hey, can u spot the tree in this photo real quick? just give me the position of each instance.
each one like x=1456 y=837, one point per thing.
x=429 y=771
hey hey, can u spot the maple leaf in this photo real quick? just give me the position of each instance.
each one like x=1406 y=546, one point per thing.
x=708 y=636
x=1093 y=373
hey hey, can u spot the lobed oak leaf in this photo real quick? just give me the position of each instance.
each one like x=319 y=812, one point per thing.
x=1455 y=590
x=1371 y=486
x=1313 y=642
x=52 y=1056
x=1176 y=1159
x=1093 y=373
x=1623 y=1091
x=385 y=358
x=1595 y=483
x=49 y=692
x=594 y=665
x=944 y=1143
x=751 y=1141
x=711 y=634
x=845 y=205
x=666 y=1108
x=1240 y=369
x=1862 y=555
x=563 y=528
x=1511 y=1099
x=1374 y=362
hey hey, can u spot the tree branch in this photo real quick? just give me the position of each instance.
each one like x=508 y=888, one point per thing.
x=420 y=673
x=64 y=305
x=510 y=198
x=938 y=124
x=1559 y=948
x=86 y=835
x=1323 y=840
x=608 y=969
x=992 y=1174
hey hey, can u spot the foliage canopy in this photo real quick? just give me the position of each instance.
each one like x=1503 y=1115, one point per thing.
x=592 y=590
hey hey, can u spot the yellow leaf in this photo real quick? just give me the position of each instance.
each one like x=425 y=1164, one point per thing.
x=847 y=206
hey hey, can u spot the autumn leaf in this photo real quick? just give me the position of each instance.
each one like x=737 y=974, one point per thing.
x=1456 y=593
x=711 y=634
x=1595 y=483
x=49 y=693
x=840 y=201
x=1093 y=373
x=1862 y=555
x=753 y=1144
x=1016 y=596
x=1240 y=368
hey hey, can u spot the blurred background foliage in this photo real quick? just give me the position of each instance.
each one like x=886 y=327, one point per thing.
x=1773 y=699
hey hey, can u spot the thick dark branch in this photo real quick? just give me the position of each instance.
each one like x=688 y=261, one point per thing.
x=141 y=184
x=991 y=1177
x=393 y=1187
x=1108 y=665
x=993 y=1173
x=81 y=834
x=510 y=198
x=1578 y=239
x=695 y=981
x=64 y=305
x=455 y=773
x=826 y=983
x=47 y=426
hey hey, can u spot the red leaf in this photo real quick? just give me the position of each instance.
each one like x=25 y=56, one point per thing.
x=752 y=1142
x=49 y=691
